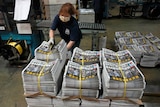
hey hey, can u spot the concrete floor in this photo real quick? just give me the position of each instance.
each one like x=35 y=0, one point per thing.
x=11 y=89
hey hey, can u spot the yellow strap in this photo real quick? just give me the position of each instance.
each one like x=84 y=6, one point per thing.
x=47 y=57
x=80 y=79
x=80 y=83
x=39 y=79
x=124 y=78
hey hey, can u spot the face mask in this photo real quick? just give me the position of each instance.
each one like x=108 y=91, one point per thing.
x=64 y=19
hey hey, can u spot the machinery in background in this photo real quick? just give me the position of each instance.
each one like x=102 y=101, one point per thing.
x=15 y=51
x=18 y=38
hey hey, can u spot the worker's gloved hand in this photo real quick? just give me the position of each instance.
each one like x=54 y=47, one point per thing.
x=51 y=41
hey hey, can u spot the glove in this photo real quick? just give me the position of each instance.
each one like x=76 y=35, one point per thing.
x=51 y=41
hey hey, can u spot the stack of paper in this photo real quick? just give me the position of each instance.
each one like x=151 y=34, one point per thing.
x=47 y=52
x=153 y=39
x=42 y=79
x=140 y=46
x=117 y=57
x=85 y=57
x=125 y=103
x=124 y=34
x=134 y=50
x=120 y=34
x=40 y=101
x=76 y=101
x=122 y=80
x=134 y=34
x=150 y=59
x=40 y=76
x=81 y=80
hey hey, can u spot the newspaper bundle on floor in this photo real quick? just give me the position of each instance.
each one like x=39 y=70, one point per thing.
x=122 y=80
x=122 y=34
x=42 y=81
x=116 y=57
x=139 y=46
x=153 y=39
x=85 y=57
x=47 y=52
x=129 y=40
x=81 y=82
x=125 y=103
x=134 y=50
x=76 y=101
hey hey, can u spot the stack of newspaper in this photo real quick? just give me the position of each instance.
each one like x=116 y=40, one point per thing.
x=37 y=77
x=134 y=50
x=141 y=46
x=150 y=59
x=42 y=79
x=48 y=52
x=80 y=102
x=40 y=101
x=130 y=41
x=81 y=80
x=153 y=39
x=126 y=103
x=122 y=80
x=123 y=34
x=117 y=57
x=85 y=57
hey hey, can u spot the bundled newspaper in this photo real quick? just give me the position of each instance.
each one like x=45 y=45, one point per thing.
x=140 y=45
x=150 y=59
x=122 y=80
x=42 y=82
x=40 y=101
x=126 y=103
x=122 y=34
x=47 y=52
x=153 y=39
x=85 y=57
x=134 y=34
x=75 y=101
x=41 y=77
x=117 y=57
x=81 y=80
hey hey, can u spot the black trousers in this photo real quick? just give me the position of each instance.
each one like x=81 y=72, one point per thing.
x=98 y=17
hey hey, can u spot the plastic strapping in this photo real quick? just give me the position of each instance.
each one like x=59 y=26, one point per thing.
x=124 y=78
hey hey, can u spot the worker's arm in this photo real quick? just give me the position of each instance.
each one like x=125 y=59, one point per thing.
x=51 y=36
x=70 y=44
x=51 y=33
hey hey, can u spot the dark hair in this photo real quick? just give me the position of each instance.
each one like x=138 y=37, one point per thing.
x=67 y=9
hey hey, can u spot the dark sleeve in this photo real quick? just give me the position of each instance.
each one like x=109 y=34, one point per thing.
x=75 y=34
x=55 y=22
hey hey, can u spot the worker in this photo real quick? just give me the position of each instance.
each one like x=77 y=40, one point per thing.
x=98 y=6
x=84 y=3
x=67 y=26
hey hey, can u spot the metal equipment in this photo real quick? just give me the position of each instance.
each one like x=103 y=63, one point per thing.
x=94 y=29
x=18 y=38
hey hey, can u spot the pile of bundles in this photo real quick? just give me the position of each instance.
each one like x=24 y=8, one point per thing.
x=115 y=57
x=144 y=47
x=81 y=81
x=121 y=78
x=47 y=52
x=86 y=57
x=91 y=79
x=42 y=77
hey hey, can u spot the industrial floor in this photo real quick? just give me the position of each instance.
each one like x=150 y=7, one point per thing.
x=11 y=89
